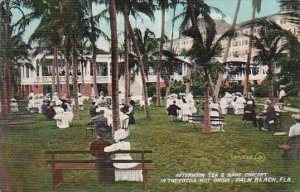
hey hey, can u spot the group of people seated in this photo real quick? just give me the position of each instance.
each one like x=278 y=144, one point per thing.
x=35 y=103
x=180 y=106
x=234 y=103
x=59 y=110
x=268 y=116
x=101 y=114
x=52 y=107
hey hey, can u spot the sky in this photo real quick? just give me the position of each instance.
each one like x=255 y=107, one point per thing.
x=228 y=7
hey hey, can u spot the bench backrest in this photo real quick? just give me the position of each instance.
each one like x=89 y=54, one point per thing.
x=90 y=164
x=294 y=141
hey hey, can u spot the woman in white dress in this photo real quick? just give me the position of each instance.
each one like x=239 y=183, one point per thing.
x=62 y=118
x=185 y=110
x=123 y=175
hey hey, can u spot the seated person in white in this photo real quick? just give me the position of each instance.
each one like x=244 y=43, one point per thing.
x=185 y=110
x=239 y=105
x=214 y=112
x=295 y=129
x=14 y=106
x=282 y=94
x=190 y=100
x=123 y=175
x=124 y=120
x=223 y=105
x=55 y=96
x=30 y=105
x=62 y=120
x=169 y=101
x=40 y=103
x=80 y=101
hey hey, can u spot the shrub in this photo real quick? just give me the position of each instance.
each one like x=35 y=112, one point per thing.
x=197 y=88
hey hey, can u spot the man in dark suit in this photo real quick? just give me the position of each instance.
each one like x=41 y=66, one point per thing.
x=93 y=108
x=172 y=109
x=102 y=159
x=101 y=124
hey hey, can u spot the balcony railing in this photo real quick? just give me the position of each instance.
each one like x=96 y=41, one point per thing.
x=48 y=79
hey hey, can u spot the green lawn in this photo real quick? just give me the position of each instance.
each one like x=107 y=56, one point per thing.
x=176 y=146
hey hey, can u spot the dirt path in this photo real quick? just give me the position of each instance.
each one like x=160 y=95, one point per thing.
x=4 y=179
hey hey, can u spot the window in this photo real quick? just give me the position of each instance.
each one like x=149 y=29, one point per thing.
x=27 y=72
x=38 y=70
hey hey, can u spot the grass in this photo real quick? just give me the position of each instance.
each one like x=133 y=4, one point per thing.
x=293 y=102
x=177 y=148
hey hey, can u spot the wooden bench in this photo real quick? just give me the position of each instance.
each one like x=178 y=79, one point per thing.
x=17 y=122
x=198 y=119
x=57 y=166
x=291 y=147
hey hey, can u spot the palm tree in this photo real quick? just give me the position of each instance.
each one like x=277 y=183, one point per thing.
x=13 y=54
x=6 y=35
x=94 y=33
x=174 y=6
x=46 y=12
x=5 y=21
x=225 y=56
x=163 y=4
x=134 y=7
x=115 y=64
x=256 y=7
x=93 y=45
x=147 y=44
x=126 y=53
x=273 y=44
x=48 y=39
x=74 y=30
x=204 y=47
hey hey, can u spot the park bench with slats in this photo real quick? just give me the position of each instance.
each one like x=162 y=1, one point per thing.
x=198 y=119
x=291 y=147
x=58 y=166
x=17 y=120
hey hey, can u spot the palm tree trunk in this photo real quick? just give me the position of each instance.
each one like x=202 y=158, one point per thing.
x=53 y=73
x=142 y=70
x=168 y=88
x=94 y=63
x=115 y=65
x=249 y=56
x=161 y=46
x=173 y=23
x=206 y=120
x=126 y=46
x=6 y=72
x=75 y=80
x=270 y=82
x=55 y=58
x=6 y=88
x=67 y=75
x=221 y=74
x=188 y=83
x=94 y=48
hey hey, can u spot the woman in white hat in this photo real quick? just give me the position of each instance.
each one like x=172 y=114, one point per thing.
x=123 y=175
